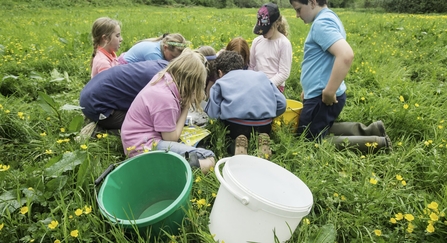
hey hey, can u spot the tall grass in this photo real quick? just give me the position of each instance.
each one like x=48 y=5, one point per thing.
x=398 y=76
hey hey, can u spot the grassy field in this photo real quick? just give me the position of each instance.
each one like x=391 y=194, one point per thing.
x=398 y=76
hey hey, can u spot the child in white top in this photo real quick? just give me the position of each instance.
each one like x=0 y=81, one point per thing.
x=271 y=52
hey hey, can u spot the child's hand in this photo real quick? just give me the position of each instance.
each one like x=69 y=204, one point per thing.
x=329 y=98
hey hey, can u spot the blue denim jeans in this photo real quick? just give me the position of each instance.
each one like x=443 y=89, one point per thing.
x=316 y=117
x=181 y=149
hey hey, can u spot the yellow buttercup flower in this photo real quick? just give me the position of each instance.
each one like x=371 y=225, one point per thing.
x=401 y=98
x=78 y=212
x=393 y=220
x=53 y=224
x=430 y=228
x=399 y=216
x=57 y=241
x=399 y=177
x=434 y=217
x=433 y=205
x=87 y=209
x=373 y=181
x=4 y=167
x=378 y=232
x=410 y=228
x=21 y=115
x=24 y=210
x=202 y=202
x=83 y=146
x=74 y=233
x=409 y=217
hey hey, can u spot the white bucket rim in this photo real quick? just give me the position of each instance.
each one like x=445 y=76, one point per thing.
x=256 y=202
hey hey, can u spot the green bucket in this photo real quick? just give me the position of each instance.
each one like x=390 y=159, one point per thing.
x=149 y=192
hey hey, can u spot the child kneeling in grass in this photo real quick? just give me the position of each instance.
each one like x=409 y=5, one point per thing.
x=246 y=101
x=157 y=115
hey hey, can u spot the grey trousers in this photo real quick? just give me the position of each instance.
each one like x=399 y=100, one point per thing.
x=357 y=136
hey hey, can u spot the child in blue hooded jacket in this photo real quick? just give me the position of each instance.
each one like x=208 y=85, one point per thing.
x=246 y=101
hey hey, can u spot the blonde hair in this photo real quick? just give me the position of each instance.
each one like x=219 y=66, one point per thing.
x=103 y=26
x=188 y=72
x=210 y=68
x=175 y=42
x=207 y=50
x=240 y=46
x=282 y=25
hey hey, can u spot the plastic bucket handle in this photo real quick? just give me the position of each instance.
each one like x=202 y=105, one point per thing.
x=243 y=199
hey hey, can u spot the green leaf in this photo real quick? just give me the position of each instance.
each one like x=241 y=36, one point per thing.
x=68 y=107
x=47 y=99
x=326 y=234
x=68 y=162
x=8 y=201
x=47 y=103
x=53 y=161
x=76 y=124
x=83 y=171
x=56 y=184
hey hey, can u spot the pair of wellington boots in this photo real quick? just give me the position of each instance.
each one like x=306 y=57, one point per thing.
x=264 y=151
x=357 y=136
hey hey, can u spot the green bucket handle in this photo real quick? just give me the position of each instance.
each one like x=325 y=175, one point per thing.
x=104 y=174
x=98 y=181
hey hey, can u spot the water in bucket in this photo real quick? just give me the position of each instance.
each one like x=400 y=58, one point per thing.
x=257 y=201
x=149 y=192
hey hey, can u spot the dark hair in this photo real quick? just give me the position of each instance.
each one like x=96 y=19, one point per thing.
x=305 y=2
x=228 y=61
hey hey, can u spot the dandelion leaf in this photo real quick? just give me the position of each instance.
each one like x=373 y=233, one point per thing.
x=83 y=172
x=68 y=107
x=47 y=103
x=76 y=123
x=68 y=162
x=326 y=234
x=8 y=201
x=56 y=184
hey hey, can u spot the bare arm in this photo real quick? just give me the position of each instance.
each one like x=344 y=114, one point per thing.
x=175 y=135
x=344 y=55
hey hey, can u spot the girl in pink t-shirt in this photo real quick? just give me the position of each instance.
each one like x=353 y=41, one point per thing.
x=157 y=115
x=106 y=37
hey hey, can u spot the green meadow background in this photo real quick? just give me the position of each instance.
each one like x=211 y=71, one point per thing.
x=398 y=76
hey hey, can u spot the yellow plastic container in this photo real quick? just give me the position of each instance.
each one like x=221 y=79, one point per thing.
x=290 y=117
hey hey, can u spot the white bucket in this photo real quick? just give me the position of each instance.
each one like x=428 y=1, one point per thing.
x=257 y=201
